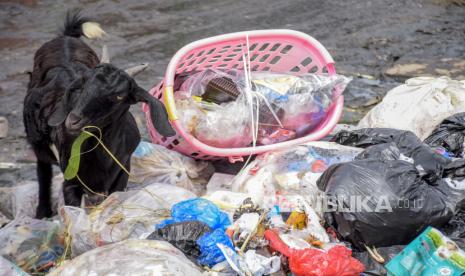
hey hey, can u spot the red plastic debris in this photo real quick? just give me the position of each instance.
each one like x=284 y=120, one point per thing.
x=337 y=261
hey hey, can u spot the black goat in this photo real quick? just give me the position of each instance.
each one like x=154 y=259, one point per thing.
x=68 y=90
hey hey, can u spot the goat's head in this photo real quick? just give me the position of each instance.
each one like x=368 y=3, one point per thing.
x=105 y=96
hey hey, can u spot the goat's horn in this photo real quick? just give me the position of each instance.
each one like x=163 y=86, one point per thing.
x=105 y=55
x=136 y=69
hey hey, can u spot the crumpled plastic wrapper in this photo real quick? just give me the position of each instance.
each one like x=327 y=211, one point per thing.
x=250 y=263
x=130 y=257
x=121 y=216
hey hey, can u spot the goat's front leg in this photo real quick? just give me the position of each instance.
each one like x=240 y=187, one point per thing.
x=72 y=192
x=120 y=183
x=44 y=176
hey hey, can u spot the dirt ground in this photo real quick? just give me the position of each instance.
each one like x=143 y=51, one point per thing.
x=380 y=43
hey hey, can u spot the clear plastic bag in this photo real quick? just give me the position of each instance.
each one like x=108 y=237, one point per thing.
x=33 y=245
x=222 y=126
x=130 y=257
x=152 y=163
x=22 y=199
x=221 y=108
x=121 y=216
x=274 y=178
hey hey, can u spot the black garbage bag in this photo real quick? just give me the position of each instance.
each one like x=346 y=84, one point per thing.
x=409 y=145
x=455 y=229
x=384 y=202
x=183 y=235
x=455 y=170
x=387 y=151
x=372 y=267
x=449 y=135
x=454 y=176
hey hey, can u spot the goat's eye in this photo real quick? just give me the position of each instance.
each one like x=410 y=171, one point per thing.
x=119 y=98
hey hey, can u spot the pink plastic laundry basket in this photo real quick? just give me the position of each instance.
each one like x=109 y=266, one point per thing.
x=280 y=51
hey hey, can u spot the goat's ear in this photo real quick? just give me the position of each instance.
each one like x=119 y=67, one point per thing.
x=58 y=116
x=158 y=112
x=61 y=111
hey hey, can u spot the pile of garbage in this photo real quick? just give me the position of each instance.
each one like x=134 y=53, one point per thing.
x=372 y=199
x=218 y=106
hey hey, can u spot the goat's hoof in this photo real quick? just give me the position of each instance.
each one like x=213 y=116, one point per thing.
x=42 y=212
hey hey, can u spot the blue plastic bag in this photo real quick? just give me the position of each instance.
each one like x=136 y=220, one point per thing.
x=198 y=209
x=143 y=149
x=211 y=254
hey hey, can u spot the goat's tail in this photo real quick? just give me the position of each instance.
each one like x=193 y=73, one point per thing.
x=77 y=25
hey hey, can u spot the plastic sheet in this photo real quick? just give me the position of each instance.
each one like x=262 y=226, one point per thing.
x=419 y=105
x=183 y=235
x=274 y=178
x=425 y=158
x=152 y=163
x=130 y=257
x=385 y=202
x=121 y=216
x=431 y=253
x=211 y=254
x=219 y=107
x=198 y=209
x=315 y=262
x=33 y=245
x=449 y=135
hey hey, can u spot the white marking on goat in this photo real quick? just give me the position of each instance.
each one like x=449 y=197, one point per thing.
x=92 y=30
x=55 y=152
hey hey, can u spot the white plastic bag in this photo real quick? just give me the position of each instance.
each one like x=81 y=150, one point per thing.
x=121 y=216
x=152 y=163
x=130 y=257
x=419 y=105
